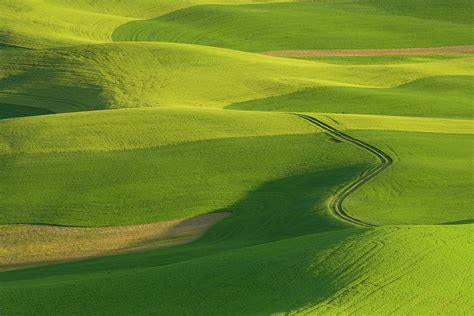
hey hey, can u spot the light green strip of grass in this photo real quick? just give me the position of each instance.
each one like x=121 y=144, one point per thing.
x=397 y=123
x=438 y=96
x=126 y=129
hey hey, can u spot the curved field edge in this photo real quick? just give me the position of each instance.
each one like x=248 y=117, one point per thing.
x=31 y=245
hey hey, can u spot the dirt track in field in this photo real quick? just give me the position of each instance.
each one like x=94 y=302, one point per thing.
x=336 y=204
x=374 y=52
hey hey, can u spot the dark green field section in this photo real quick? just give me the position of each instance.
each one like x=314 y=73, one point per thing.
x=322 y=25
x=165 y=183
x=443 y=97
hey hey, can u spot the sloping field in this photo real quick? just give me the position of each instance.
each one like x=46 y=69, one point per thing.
x=322 y=25
x=154 y=161
x=54 y=23
x=438 y=96
x=111 y=76
x=427 y=166
x=144 y=128
x=345 y=271
x=28 y=245
x=161 y=175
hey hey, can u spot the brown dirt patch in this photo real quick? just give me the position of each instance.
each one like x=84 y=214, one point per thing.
x=373 y=52
x=29 y=245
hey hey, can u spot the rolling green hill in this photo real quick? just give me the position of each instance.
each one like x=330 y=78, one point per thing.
x=320 y=25
x=112 y=76
x=439 y=96
x=161 y=177
x=154 y=161
x=349 y=270
x=56 y=23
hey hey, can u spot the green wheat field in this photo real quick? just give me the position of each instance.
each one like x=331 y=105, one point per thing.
x=236 y=157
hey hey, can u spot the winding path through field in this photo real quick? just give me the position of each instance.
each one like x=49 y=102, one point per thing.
x=337 y=202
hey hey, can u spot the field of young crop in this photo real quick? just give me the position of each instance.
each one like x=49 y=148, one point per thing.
x=236 y=157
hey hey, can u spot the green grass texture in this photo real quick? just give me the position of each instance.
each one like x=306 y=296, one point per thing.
x=107 y=76
x=440 y=96
x=158 y=180
x=429 y=168
x=125 y=112
x=350 y=270
x=320 y=25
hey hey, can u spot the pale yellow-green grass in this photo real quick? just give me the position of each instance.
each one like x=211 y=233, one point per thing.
x=26 y=245
x=112 y=76
x=52 y=23
x=127 y=129
x=397 y=123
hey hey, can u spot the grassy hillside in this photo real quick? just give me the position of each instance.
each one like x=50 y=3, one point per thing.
x=160 y=176
x=55 y=23
x=154 y=161
x=320 y=25
x=429 y=167
x=128 y=129
x=111 y=76
x=345 y=271
x=443 y=96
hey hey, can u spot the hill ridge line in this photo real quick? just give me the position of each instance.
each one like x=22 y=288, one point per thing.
x=336 y=204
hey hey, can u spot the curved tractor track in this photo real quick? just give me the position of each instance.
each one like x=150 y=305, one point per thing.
x=337 y=202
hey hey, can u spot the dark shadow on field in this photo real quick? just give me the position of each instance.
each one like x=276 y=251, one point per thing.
x=285 y=208
x=13 y=110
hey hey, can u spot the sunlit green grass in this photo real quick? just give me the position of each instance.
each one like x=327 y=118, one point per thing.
x=178 y=173
x=349 y=270
x=146 y=139
x=321 y=25
x=449 y=97
x=430 y=183
x=111 y=76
